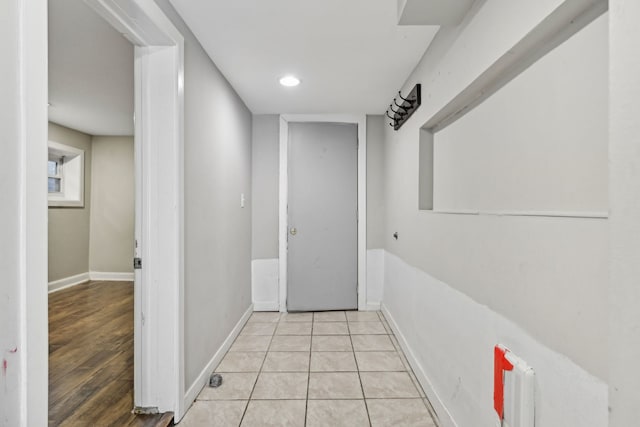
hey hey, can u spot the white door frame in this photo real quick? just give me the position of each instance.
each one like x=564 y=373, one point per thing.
x=159 y=130
x=159 y=53
x=361 y=122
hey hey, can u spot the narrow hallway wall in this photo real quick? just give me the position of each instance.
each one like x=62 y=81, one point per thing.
x=217 y=168
x=464 y=278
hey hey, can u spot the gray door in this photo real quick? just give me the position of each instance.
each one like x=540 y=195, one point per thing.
x=322 y=262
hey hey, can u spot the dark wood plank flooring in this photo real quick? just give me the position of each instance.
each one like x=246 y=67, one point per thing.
x=91 y=356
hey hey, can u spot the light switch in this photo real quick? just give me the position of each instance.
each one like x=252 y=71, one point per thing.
x=242 y=200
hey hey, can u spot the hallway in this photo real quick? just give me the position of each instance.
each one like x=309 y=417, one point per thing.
x=495 y=208
x=313 y=369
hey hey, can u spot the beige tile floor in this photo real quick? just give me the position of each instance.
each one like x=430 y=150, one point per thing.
x=313 y=369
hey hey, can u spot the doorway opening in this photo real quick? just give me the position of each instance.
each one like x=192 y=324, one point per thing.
x=284 y=203
x=322 y=217
x=154 y=211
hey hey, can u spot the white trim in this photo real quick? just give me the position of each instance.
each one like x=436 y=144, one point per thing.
x=111 y=276
x=78 y=279
x=282 y=214
x=550 y=214
x=159 y=105
x=373 y=306
x=361 y=121
x=72 y=176
x=32 y=129
x=445 y=419
x=203 y=378
x=68 y=282
x=264 y=284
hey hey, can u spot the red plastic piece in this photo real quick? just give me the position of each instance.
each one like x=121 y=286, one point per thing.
x=501 y=364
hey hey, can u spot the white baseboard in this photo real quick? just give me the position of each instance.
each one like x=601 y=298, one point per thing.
x=78 y=279
x=264 y=284
x=444 y=417
x=111 y=276
x=67 y=282
x=266 y=306
x=203 y=378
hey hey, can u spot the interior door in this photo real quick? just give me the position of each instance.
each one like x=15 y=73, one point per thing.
x=322 y=260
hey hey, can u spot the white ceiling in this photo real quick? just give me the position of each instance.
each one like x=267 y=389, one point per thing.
x=90 y=71
x=351 y=55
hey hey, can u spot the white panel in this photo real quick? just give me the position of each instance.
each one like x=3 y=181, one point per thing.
x=264 y=284
x=375 y=277
x=454 y=363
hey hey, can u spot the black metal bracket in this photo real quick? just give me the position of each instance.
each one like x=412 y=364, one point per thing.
x=406 y=108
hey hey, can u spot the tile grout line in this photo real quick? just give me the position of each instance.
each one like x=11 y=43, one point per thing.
x=306 y=402
x=244 y=413
x=398 y=351
x=364 y=399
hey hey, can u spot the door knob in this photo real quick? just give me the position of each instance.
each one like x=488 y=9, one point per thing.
x=293 y=231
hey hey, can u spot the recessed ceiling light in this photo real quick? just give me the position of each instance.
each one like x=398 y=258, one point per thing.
x=289 y=81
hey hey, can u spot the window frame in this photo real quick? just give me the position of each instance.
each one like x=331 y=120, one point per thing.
x=70 y=171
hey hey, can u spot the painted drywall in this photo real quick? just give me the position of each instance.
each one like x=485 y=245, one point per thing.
x=375 y=182
x=69 y=228
x=112 y=204
x=458 y=334
x=217 y=168
x=264 y=181
x=624 y=193
x=525 y=149
x=546 y=275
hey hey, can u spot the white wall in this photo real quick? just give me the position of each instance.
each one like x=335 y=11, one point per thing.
x=112 y=200
x=545 y=276
x=624 y=155
x=217 y=230
x=538 y=144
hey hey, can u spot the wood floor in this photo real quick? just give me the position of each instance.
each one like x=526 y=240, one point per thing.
x=91 y=356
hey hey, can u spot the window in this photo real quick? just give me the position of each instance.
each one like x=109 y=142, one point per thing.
x=65 y=175
x=54 y=168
